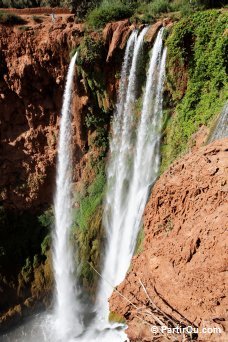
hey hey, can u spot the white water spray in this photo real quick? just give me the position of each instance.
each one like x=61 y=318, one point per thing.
x=147 y=156
x=133 y=167
x=119 y=168
x=66 y=306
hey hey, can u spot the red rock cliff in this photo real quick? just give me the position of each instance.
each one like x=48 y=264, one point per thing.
x=33 y=66
x=182 y=263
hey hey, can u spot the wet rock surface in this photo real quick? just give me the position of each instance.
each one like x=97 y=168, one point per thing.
x=115 y=35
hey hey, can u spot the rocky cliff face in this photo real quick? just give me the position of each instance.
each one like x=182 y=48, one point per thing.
x=182 y=264
x=34 y=61
x=33 y=68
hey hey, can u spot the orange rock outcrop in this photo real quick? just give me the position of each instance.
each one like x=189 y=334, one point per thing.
x=182 y=265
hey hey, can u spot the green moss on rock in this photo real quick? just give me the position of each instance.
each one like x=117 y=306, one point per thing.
x=88 y=231
x=116 y=318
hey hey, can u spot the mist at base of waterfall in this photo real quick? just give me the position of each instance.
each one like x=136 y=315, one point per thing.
x=41 y=328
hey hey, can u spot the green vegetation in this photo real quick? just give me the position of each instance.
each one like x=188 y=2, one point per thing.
x=101 y=140
x=46 y=220
x=143 y=11
x=147 y=12
x=10 y=19
x=139 y=242
x=197 y=78
x=90 y=68
x=27 y=271
x=94 y=121
x=110 y=11
x=116 y=318
x=160 y=6
x=155 y=7
x=91 y=51
x=88 y=230
x=99 y=12
x=29 y=3
x=90 y=201
x=80 y=7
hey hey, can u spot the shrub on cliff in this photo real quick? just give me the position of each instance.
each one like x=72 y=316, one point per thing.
x=46 y=220
x=147 y=12
x=10 y=19
x=110 y=11
x=159 y=6
x=90 y=51
x=81 y=8
x=187 y=7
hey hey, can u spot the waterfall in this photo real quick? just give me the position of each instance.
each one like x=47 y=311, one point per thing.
x=146 y=158
x=118 y=170
x=221 y=128
x=134 y=162
x=66 y=306
x=132 y=169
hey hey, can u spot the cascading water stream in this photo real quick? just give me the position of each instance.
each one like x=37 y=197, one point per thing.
x=221 y=128
x=66 y=306
x=118 y=170
x=147 y=155
x=63 y=323
x=133 y=166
